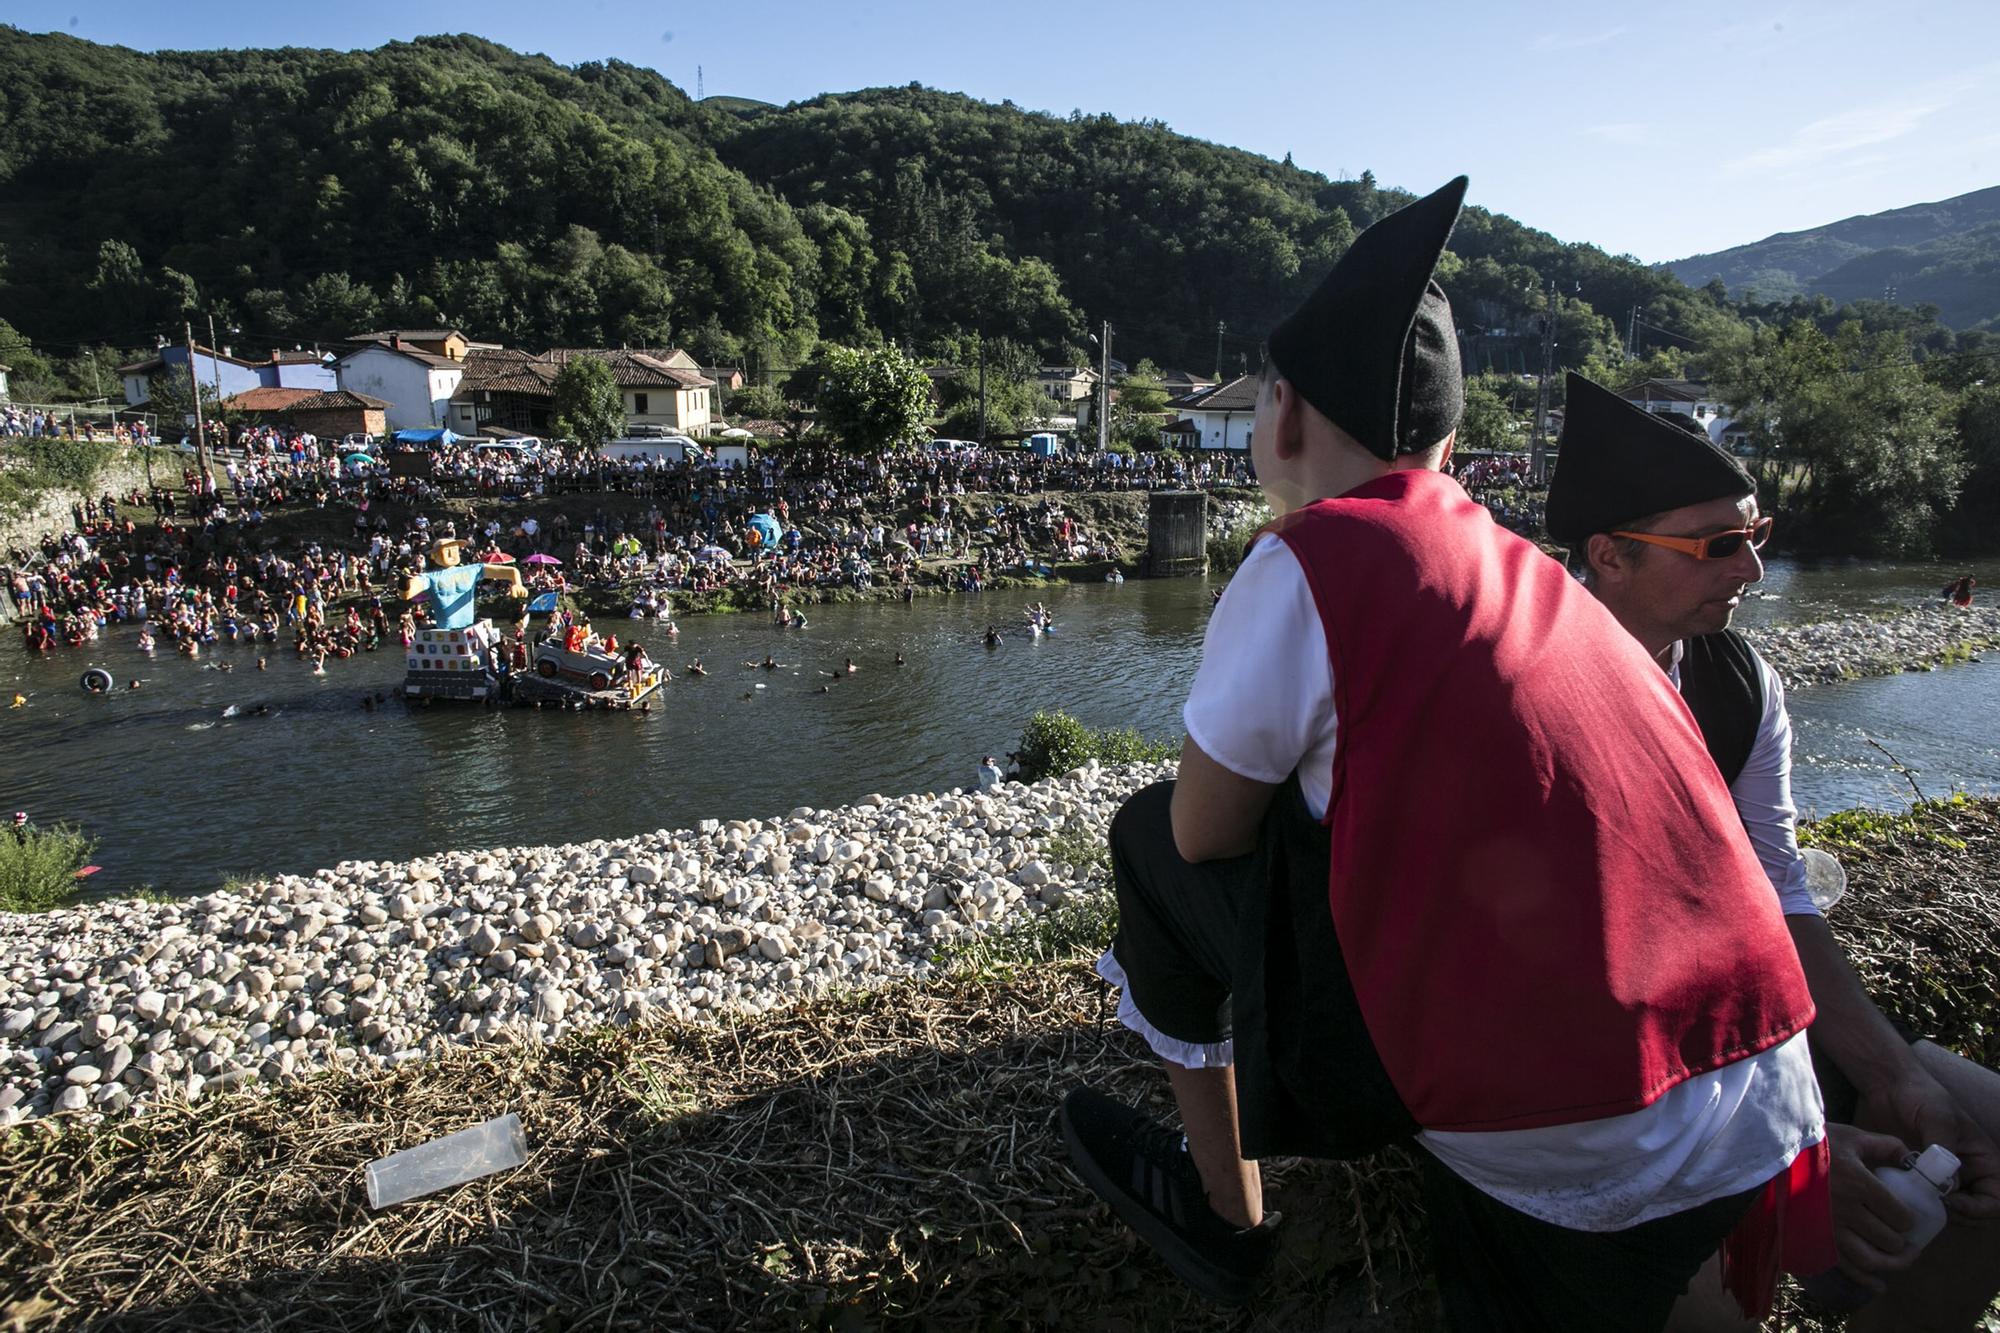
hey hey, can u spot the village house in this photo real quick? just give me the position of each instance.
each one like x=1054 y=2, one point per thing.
x=1215 y=417
x=507 y=390
x=416 y=383
x=328 y=413
x=1066 y=384
x=1690 y=398
x=298 y=369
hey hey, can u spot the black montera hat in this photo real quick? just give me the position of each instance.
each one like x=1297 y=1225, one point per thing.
x=1374 y=347
x=1619 y=462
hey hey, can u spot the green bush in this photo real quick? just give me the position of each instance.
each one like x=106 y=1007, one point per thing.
x=38 y=872
x=1225 y=549
x=72 y=463
x=1055 y=743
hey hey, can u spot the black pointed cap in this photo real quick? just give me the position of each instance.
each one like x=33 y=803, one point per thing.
x=1374 y=347
x=1619 y=462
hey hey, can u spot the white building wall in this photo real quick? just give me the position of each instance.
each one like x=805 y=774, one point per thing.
x=1224 y=430
x=404 y=384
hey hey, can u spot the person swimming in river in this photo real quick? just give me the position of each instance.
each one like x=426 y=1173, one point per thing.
x=899 y=660
x=992 y=637
x=769 y=663
x=695 y=668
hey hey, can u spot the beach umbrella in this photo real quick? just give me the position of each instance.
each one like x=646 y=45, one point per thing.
x=539 y=559
x=358 y=458
x=737 y=433
x=715 y=554
x=500 y=558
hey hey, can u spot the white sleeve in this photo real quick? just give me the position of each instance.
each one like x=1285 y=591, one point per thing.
x=1263 y=697
x=1763 y=796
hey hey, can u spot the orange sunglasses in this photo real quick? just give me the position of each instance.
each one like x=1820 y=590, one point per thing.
x=1715 y=546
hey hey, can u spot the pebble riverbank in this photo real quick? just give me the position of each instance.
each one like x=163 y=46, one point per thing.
x=115 y=1007
x=1850 y=646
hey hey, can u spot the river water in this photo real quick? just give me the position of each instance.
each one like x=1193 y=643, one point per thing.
x=181 y=796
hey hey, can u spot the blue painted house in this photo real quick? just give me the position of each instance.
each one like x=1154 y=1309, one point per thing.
x=234 y=374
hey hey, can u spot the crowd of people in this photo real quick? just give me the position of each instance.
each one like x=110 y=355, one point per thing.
x=17 y=422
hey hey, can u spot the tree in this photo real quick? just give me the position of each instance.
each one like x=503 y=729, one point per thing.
x=1866 y=449
x=1135 y=417
x=874 y=399
x=1489 y=422
x=588 y=406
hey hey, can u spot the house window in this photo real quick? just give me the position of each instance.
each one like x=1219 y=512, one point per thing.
x=639 y=404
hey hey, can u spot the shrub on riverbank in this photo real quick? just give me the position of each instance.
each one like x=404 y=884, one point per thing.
x=38 y=868
x=1055 y=743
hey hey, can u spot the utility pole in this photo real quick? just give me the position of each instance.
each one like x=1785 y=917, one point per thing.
x=1538 y=458
x=1632 y=335
x=194 y=392
x=1218 y=351
x=982 y=387
x=1104 y=390
x=214 y=361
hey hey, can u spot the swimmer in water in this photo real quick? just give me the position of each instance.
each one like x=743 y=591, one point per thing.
x=851 y=668
x=132 y=684
x=20 y=701
x=899 y=660
x=992 y=637
x=695 y=668
x=261 y=665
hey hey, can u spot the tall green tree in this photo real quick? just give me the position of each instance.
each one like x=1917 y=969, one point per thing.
x=588 y=406
x=874 y=399
x=1490 y=422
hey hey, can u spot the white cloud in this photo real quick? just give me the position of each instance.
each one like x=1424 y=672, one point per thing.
x=1835 y=140
x=1565 y=41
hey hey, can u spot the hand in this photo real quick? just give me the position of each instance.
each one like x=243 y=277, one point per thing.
x=1868 y=1220
x=1916 y=1106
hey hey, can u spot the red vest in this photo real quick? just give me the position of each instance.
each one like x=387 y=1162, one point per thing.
x=1545 y=899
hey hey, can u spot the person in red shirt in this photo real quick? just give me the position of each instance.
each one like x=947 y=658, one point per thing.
x=1575 y=1001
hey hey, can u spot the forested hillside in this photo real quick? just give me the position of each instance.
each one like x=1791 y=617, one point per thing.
x=1945 y=254
x=305 y=194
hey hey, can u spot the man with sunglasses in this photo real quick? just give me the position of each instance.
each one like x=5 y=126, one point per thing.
x=1663 y=527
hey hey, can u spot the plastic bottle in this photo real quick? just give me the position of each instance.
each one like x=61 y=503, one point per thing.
x=452 y=1160
x=1920 y=1184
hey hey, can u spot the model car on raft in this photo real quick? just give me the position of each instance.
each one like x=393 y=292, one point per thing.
x=590 y=667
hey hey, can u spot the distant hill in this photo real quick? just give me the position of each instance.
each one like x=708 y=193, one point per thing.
x=300 y=194
x=1945 y=254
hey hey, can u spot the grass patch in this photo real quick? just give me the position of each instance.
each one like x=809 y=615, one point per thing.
x=1079 y=928
x=38 y=868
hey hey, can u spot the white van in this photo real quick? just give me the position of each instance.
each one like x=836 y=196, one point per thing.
x=729 y=455
x=667 y=448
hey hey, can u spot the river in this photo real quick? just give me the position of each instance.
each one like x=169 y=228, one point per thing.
x=180 y=796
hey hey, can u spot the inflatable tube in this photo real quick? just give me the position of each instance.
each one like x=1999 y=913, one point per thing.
x=97 y=681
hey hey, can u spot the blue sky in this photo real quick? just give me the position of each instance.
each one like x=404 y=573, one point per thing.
x=1682 y=127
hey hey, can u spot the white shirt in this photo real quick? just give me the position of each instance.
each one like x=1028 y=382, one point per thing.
x=1710 y=1136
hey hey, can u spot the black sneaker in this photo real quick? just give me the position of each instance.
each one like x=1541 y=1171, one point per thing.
x=1142 y=1169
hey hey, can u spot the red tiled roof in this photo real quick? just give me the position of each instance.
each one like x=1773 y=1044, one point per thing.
x=267 y=399
x=334 y=400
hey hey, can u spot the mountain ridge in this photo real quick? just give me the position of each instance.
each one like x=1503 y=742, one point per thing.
x=1944 y=252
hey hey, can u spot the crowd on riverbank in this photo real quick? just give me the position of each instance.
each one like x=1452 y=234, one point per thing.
x=206 y=569
x=123 y=1005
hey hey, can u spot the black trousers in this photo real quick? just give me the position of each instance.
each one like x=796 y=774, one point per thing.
x=1497 y=1268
